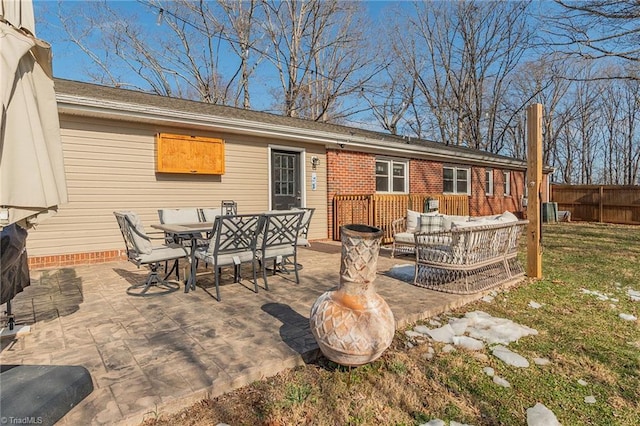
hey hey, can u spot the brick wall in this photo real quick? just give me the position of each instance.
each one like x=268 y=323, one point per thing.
x=354 y=173
x=481 y=204
x=57 y=261
x=425 y=177
x=348 y=173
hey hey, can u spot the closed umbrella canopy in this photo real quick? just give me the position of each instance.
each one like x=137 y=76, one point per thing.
x=32 y=180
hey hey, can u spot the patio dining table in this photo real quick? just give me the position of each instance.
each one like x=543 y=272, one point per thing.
x=194 y=231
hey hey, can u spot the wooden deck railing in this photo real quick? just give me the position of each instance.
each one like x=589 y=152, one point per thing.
x=380 y=210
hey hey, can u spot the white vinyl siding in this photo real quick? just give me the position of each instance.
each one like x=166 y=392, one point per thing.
x=110 y=166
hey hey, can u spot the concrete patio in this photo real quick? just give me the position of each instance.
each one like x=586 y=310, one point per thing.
x=157 y=354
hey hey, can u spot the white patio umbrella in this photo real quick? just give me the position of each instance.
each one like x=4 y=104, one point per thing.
x=32 y=180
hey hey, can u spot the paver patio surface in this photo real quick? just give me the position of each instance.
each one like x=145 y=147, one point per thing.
x=157 y=354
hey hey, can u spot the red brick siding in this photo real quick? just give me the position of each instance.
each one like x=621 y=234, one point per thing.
x=348 y=173
x=57 y=261
x=354 y=173
x=425 y=177
x=481 y=204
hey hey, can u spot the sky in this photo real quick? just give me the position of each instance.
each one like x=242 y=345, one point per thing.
x=69 y=60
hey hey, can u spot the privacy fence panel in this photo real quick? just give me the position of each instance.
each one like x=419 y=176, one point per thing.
x=380 y=210
x=599 y=203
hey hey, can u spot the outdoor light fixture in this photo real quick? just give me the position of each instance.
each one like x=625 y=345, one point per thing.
x=315 y=162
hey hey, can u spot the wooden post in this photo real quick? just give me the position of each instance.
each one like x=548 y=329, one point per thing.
x=600 y=203
x=534 y=182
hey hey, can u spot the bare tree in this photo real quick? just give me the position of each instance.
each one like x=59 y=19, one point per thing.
x=621 y=110
x=540 y=81
x=319 y=53
x=462 y=55
x=391 y=98
x=182 y=58
x=599 y=29
x=239 y=29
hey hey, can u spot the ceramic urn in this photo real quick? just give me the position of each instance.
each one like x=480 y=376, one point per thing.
x=353 y=325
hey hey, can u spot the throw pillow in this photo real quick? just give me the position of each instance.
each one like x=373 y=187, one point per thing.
x=413 y=218
x=467 y=224
x=449 y=219
x=431 y=223
x=507 y=217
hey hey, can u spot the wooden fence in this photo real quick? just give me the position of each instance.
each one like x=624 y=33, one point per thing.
x=599 y=203
x=381 y=210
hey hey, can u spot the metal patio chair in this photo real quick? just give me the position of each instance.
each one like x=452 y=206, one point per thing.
x=141 y=251
x=229 y=207
x=182 y=215
x=303 y=234
x=278 y=240
x=232 y=243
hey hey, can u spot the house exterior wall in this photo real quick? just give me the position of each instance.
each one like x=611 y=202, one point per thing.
x=348 y=172
x=110 y=165
x=425 y=177
x=354 y=173
x=481 y=204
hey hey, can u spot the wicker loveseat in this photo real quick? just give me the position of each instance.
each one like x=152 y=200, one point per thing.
x=470 y=257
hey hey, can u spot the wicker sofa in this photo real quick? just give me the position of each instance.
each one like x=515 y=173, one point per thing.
x=460 y=254
x=468 y=259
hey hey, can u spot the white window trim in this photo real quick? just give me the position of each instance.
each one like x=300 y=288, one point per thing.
x=455 y=179
x=506 y=176
x=489 y=173
x=390 y=162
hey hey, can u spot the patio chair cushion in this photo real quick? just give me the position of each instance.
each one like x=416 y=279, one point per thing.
x=186 y=215
x=209 y=214
x=142 y=242
x=482 y=218
x=224 y=259
x=471 y=224
x=449 y=219
x=162 y=253
x=275 y=251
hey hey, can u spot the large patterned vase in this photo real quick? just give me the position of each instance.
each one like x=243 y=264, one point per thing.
x=353 y=325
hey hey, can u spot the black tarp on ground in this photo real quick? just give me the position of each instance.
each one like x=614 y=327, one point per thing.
x=41 y=394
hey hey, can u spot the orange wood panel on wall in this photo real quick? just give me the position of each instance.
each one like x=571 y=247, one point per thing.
x=189 y=154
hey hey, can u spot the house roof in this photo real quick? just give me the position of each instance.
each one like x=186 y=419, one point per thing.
x=86 y=99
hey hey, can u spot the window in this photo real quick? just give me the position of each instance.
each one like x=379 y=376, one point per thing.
x=391 y=176
x=488 y=182
x=455 y=180
x=507 y=183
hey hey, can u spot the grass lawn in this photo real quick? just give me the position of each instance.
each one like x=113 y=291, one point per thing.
x=579 y=332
